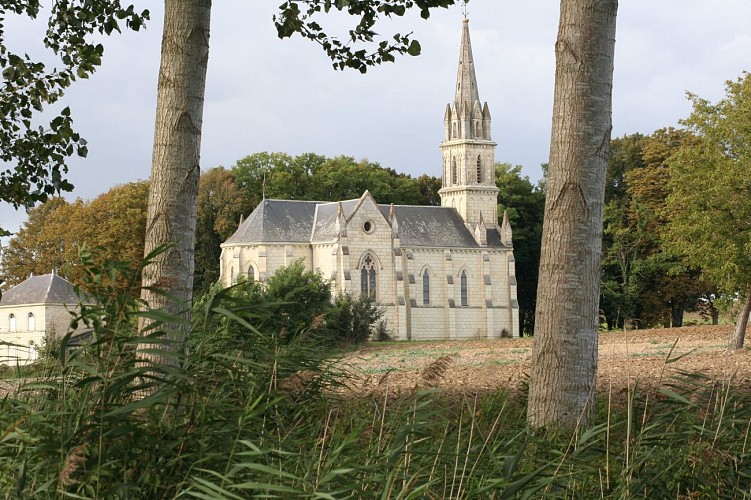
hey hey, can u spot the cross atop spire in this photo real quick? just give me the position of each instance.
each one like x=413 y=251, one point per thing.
x=466 y=82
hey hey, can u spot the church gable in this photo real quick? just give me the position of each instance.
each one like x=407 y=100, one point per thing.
x=368 y=221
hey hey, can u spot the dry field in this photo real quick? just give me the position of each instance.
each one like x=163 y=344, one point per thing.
x=481 y=366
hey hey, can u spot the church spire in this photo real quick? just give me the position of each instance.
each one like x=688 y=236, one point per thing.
x=467 y=149
x=466 y=82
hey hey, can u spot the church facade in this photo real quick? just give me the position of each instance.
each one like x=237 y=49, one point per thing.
x=443 y=272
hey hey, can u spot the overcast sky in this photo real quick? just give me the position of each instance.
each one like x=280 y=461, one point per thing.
x=266 y=94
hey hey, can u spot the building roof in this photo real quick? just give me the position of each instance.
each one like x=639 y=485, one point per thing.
x=422 y=226
x=44 y=289
x=282 y=221
x=277 y=221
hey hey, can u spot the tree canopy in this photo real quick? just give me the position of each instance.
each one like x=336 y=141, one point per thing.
x=33 y=148
x=644 y=282
x=113 y=224
x=710 y=198
x=292 y=19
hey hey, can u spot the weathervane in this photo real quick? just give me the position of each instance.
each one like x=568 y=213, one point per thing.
x=464 y=8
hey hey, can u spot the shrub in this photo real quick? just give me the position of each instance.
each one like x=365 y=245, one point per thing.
x=352 y=319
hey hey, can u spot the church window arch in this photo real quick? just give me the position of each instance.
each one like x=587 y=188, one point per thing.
x=479 y=170
x=12 y=322
x=463 y=281
x=454 y=171
x=31 y=323
x=478 y=130
x=251 y=274
x=425 y=287
x=368 y=280
x=454 y=133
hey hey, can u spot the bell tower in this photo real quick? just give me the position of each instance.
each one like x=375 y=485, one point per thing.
x=467 y=149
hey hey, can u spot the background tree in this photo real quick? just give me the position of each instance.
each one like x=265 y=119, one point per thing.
x=710 y=202
x=35 y=155
x=641 y=279
x=220 y=205
x=564 y=363
x=36 y=249
x=315 y=177
x=113 y=224
x=525 y=204
x=276 y=175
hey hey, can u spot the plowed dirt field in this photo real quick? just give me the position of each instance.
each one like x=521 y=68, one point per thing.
x=487 y=365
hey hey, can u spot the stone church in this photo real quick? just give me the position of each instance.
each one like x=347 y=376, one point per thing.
x=438 y=272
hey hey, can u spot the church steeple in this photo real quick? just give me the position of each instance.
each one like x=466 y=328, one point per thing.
x=466 y=81
x=467 y=149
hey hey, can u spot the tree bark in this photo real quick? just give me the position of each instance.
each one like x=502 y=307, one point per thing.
x=562 y=385
x=677 y=309
x=171 y=218
x=739 y=332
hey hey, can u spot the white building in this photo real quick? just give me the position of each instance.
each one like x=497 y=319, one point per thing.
x=32 y=311
x=439 y=272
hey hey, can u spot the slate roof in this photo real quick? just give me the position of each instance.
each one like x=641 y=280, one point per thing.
x=44 y=289
x=324 y=228
x=430 y=227
x=278 y=221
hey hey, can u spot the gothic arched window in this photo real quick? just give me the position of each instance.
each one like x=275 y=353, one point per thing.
x=12 y=322
x=479 y=170
x=425 y=287
x=31 y=323
x=454 y=171
x=251 y=273
x=463 y=280
x=368 y=277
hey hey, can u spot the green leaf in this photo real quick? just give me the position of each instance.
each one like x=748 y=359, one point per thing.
x=414 y=48
x=674 y=396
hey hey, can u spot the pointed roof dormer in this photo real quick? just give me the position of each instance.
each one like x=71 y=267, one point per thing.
x=506 y=233
x=341 y=221
x=466 y=82
x=394 y=222
x=481 y=232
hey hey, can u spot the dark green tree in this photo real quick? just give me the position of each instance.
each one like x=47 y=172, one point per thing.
x=525 y=204
x=220 y=205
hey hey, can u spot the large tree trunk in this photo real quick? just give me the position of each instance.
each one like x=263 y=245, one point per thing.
x=562 y=385
x=739 y=332
x=175 y=167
